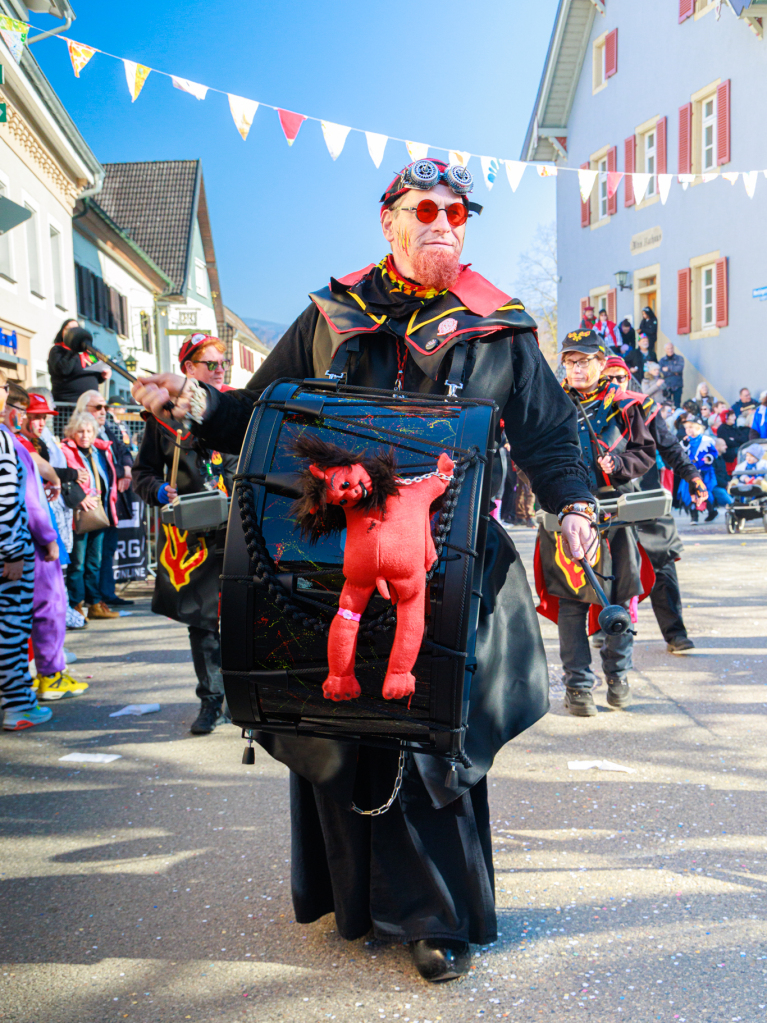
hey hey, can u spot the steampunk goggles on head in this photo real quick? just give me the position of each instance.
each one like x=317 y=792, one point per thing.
x=427 y=174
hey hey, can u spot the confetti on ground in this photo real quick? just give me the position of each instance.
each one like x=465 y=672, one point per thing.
x=136 y=708
x=601 y=765
x=91 y=758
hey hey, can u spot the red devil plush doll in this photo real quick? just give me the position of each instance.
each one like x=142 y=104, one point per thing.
x=388 y=547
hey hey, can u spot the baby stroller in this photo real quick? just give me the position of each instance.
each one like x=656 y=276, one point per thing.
x=749 y=500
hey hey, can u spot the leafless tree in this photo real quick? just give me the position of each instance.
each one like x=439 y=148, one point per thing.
x=537 y=286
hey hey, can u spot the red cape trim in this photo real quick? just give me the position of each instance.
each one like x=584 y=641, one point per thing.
x=471 y=289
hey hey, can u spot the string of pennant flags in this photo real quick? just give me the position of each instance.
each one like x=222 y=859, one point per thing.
x=243 y=111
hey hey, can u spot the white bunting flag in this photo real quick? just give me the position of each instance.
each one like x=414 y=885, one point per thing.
x=376 y=146
x=664 y=186
x=243 y=112
x=335 y=136
x=685 y=180
x=586 y=179
x=709 y=177
x=417 y=150
x=135 y=76
x=489 y=170
x=514 y=171
x=731 y=176
x=198 y=91
x=641 y=184
x=548 y=170
x=456 y=156
x=749 y=180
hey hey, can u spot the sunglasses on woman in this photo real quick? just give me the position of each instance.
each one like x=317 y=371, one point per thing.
x=427 y=212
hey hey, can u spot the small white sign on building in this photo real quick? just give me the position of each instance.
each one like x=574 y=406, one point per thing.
x=645 y=240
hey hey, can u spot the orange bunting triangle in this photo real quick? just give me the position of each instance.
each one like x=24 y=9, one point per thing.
x=79 y=54
x=135 y=75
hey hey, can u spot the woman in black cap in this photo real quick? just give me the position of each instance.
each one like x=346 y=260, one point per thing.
x=649 y=327
x=72 y=368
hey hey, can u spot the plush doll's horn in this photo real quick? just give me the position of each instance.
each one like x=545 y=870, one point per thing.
x=316 y=472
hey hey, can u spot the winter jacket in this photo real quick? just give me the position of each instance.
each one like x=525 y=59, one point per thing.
x=759 y=422
x=69 y=377
x=76 y=460
x=733 y=436
x=672 y=371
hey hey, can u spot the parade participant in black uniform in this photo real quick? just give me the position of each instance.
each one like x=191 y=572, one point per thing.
x=187 y=584
x=72 y=368
x=659 y=537
x=625 y=452
x=422 y=872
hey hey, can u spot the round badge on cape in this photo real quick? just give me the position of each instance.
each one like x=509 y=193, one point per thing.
x=447 y=326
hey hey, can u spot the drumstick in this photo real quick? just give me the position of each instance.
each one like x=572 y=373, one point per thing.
x=176 y=456
x=592 y=434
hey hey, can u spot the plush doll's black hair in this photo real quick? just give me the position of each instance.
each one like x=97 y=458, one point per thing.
x=312 y=512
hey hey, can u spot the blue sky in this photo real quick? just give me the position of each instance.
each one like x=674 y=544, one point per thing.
x=286 y=218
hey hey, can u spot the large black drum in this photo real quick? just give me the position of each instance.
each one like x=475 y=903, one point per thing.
x=279 y=592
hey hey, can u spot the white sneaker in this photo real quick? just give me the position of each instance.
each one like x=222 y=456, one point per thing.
x=74 y=619
x=17 y=720
x=70 y=656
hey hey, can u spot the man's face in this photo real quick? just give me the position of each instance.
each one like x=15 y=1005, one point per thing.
x=412 y=240
x=693 y=429
x=644 y=344
x=33 y=425
x=208 y=366
x=98 y=409
x=745 y=394
x=617 y=375
x=583 y=371
x=669 y=350
x=603 y=316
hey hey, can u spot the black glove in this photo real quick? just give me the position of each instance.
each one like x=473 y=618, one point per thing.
x=78 y=339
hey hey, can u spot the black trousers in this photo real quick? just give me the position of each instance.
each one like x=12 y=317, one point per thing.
x=413 y=872
x=206 y=657
x=667 y=602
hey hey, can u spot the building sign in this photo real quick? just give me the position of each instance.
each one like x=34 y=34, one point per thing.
x=645 y=240
x=760 y=293
x=187 y=317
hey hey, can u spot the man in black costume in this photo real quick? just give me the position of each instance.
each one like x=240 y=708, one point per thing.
x=422 y=872
x=188 y=567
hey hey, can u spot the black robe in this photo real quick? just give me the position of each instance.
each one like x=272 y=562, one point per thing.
x=442 y=833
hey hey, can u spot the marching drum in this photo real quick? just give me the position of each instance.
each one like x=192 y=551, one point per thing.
x=280 y=592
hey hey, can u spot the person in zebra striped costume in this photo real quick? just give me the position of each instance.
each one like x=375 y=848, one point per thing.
x=20 y=706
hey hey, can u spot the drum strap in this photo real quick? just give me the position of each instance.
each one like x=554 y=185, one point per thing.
x=455 y=381
x=337 y=368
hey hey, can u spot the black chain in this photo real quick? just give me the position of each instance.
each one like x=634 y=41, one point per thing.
x=266 y=568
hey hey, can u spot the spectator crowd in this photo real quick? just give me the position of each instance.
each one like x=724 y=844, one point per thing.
x=58 y=526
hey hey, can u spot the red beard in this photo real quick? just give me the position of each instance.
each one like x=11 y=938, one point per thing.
x=434 y=267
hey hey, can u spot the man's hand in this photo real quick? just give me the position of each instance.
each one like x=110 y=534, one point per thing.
x=578 y=536
x=52 y=551
x=123 y=484
x=171 y=493
x=607 y=463
x=13 y=570
x=106 y=373
x=154 y=391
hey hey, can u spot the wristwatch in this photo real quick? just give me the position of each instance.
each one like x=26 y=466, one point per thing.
x=587 y=510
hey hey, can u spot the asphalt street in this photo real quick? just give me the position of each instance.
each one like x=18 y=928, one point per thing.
x=155 y=888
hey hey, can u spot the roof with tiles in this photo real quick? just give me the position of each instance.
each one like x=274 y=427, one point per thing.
x=156 y=203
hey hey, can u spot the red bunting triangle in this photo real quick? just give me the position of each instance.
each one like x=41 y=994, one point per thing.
x=290 y=124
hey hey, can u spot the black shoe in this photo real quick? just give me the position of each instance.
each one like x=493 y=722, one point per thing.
x=437 y=959
x=580 y=703
x=618 y=693
x=680 y=645
x=210 y=715
x=712 y=514
x=120 y=602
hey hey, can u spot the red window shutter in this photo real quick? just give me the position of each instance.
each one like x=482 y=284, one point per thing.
x=585 y=206
x=124 y=330
x=661 y=160
x=612 y=165
x=683 y=283
x=611 y=305
x=685 y=139
x=686 y=9
x=723 y=123
x=584 y=302
x=611 y=53
x=722 y=293
x=629 y=160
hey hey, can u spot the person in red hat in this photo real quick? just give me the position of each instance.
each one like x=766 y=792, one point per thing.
x=659 y=537
x=417 y=320
x=187 y=586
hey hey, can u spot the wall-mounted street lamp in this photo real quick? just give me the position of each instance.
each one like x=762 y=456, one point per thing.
x=622 y=277
x=131 y=364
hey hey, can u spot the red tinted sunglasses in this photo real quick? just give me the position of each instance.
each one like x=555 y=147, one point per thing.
x=427 y=212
